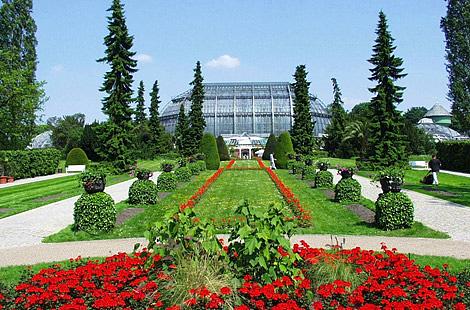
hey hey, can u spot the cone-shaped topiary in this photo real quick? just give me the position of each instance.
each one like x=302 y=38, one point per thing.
x=76 y=156
x=282 y=149
x=270 y=146
x=222 y=148
x=209 y=149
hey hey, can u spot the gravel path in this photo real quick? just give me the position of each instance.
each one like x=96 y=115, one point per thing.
x=30 y=227
x=435 y=213
x=36 y=179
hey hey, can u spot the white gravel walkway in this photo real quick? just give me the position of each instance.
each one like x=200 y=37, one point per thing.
x=438 y=214
x=30 y=227
x=36 y=179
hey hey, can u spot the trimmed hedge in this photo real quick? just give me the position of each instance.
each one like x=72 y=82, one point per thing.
x=94 y=213
x=30 y=163
x=348 y=190
x=394 y=211
x=166 y=182
x=308 y=173
x=76 y=156
x=143 y=192
x=270 y=147
x=283 y=147
x=194 y=167
x=454 y=155
x=222 y=148
x=209 y=149
x=183 y=174
x=324 y=179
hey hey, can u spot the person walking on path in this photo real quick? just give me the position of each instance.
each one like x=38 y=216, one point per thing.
x=435 y=165
x=271 y=161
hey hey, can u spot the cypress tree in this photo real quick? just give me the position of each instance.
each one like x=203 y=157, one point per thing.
x=116 y=139
x=222 y=148
x=140 y=116
x=387 y=144
x=182 y=136
x=156 y=129
x=209 y=149
x=283 y=149
x=302 y=130
x=335 y=130
x=197 y=123
x=456 y=27
x=270 y=146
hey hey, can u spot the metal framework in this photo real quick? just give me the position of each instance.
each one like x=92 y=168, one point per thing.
x=254 y=108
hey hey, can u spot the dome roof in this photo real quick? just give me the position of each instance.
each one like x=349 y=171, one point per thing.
x=437 y=110
x=440 y=132
x=41 y=141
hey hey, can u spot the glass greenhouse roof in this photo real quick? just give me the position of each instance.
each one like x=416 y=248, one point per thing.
x=253 y=108
x=440 y=133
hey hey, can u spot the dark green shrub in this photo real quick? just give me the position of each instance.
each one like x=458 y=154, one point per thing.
x=463 y=278
x=201 y=165
x=166 y=182
x=166 y=166
x=323 y=165
x=94 y=213
x=143 y=192
x=323 y=179
x=308 y=173
x=348 y=190
x=454 y=155
x=319 y=154
x=222 y=148
x=209 y=149
x=394 y=211
x=297 y=167
x=30 y=163
x=182 y=162
x=270 y=147
x=183 y=174
x=282 y=149
x=194 y=167
x=76 y=156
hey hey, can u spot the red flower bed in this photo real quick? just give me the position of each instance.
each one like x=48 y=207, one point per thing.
x=300 y=214
x=230 y=164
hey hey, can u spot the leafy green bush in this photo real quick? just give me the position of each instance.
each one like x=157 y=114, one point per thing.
x=166 y=182
x=94 y=213
x=201 y=165
x=319 y=154
x=296 y=166
x=209 y=148
x=183 y=174
x=76 y=156
x=394 y=211
x=308 y=173
x=222 y=148
x=348 y=190
x=143 y=192
x=29 y=163
x=166 y=166
x=282 y=149
x=323 y=165
x=454 y=155
x=463 y=278
x=270 y=147
x=323 y=179
x=194 y=167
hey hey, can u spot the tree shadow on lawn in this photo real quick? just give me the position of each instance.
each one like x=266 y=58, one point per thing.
x=458 y=194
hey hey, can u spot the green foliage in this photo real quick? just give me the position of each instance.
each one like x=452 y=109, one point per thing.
x=143 y=192
x=386 y=143
x=76 y=156
x=454 y=155
x=201 y=165
x=323 y=179
x=183 y=174
x=143 y=173
x=222 y=148
x=209 y=149
x=296 y=166
x=156 y=129
x=141 y=136
x=463 y=278
x=263 y=251
x=166 y=182
x=418 y=141
x=165 y=144
x=89 y=142
x=413 y=115
x=308 y=173
x=182 y=134
x=357 y=135
x=29 y=163
x=166 y=166
x=394 y=211
x=270 y=147
x=92 y=176
x=94 y=213
x=348 y=190
x=334 y=144
x=115 y=145
x=323 y=165
x=302 y=129
x=197 y=123
x=395 y=174
x=194 y=168
x=67 y=131
x=140 y=116
x=283 y=148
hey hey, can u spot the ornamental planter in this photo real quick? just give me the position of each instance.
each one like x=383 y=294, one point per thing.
x=10 y=179
x=3 y=179
x=345 y=174
x=389 y=185
x=142 y=175
x=95 y=186
x=323 y=167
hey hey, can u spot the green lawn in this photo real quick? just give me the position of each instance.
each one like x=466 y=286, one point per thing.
x=344 y=162
x=153 y=164
x=451 y=187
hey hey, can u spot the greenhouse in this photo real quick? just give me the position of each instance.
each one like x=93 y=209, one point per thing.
x=251 y=108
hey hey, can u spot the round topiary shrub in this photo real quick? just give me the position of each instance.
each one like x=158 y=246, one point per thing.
x=94 y=213
x=394 y=211
x=325 y=179
x=201 y=165
x=194 y=167
x=348 y=190
x=166 y=182
x=298 y=167
x=143 y=192
x=76 y=156
x=183 y=174
x=308 y=173
x=209 y=149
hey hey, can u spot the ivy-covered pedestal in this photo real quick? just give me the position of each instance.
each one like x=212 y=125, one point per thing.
x=143 y=191
x=347 y=189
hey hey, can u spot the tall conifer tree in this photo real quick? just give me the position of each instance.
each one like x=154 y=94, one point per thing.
x=387 y=144
x=302 y=130
x=156 y=129
x=140 y=116
x=182 y=136
x=197 y=123
x=116 y=138
x=456 y=27
x=335 y=130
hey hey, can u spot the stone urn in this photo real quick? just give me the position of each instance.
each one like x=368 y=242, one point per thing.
x=390 y=184
x=94 y=186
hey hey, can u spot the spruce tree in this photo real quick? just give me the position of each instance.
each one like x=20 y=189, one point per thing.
x=302 y=130
x=456 y=27
x=156 y=129
x=182 y=136
x=270 y=146
x=116 y=139
x=197 y=123
x=387 y=143
x=335 y=130
x=140 y=116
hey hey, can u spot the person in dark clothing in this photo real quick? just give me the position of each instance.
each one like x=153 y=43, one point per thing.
x=435 y=165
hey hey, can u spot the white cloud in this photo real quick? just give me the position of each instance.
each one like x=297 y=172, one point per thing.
x=224 y=61
x=57 y=68
x=144 y=58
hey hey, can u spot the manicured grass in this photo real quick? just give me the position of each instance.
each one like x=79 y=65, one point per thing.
x=153 y=164
x=342 y=162
x=454 y=265
x=451 y=187
x=20 y=198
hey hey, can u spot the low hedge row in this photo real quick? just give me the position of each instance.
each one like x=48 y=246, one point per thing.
x=454 y=155
x=30 y=163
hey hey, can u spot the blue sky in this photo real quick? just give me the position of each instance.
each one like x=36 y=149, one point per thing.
x=239 y=40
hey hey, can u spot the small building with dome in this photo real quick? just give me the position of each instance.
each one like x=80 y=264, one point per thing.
x=439 y=115
x=436 y=123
